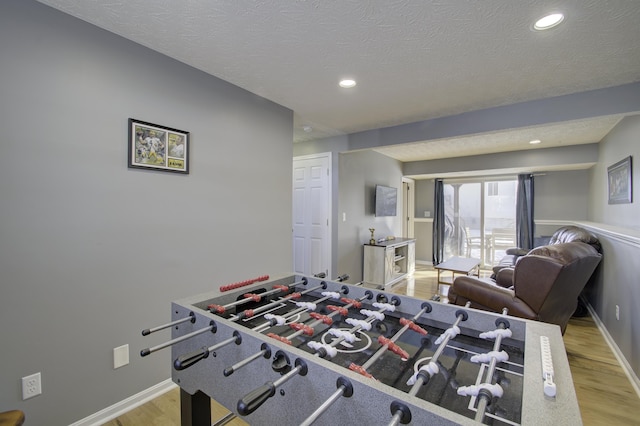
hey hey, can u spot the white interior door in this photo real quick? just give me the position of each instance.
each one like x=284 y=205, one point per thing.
x=311 y=214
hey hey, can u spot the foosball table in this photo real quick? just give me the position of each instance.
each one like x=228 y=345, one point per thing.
x=301 y=350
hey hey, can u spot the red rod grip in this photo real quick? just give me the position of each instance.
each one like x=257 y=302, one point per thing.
x=280 y=338
x=355 y=303
x=305 y=328
x=358 y=369
x=325 y=319
x=255 y=297
x=413 y=326
x=393 y=347
x=342 y=311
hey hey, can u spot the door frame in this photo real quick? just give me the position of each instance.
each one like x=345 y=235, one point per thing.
x=329 y=205
x=408 y=207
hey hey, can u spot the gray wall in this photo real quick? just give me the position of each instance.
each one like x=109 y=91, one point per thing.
x=92 y=252
x=497 y=163
x=618 y=228
x=621 y=142
x=360 y=172
x=562 y=195
x=423 y=227
x=424 y=195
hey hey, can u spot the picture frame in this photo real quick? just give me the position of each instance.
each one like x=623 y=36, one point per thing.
x=157 y=147
x=620 y=181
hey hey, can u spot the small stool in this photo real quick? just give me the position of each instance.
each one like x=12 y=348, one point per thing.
x=12 y=418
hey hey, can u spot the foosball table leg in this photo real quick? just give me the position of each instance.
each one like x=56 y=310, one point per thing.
x=195 y=410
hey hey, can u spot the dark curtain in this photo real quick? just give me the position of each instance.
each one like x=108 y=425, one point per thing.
x=524 y=212
x=438 y=222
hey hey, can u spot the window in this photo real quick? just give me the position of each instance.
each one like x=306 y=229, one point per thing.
x=480 y=218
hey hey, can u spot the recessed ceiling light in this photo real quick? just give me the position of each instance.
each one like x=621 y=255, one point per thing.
x=548 y=21
x=347 y=83
x=535 y=141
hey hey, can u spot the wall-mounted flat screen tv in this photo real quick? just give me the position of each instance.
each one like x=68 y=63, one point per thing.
x=386 y=200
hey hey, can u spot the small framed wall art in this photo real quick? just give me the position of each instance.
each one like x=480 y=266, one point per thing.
x=156 y=147
x=620 y=182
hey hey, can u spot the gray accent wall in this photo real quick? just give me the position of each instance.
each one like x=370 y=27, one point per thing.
x=561 y=195
x=360 y=172
x=618 y=227
x=622 y=141
x=92 y=252
x=504 y=162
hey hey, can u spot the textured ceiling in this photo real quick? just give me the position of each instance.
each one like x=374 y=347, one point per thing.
x=553 y=135
x=413 y=60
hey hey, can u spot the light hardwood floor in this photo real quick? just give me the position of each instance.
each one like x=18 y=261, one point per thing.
x=605 y=394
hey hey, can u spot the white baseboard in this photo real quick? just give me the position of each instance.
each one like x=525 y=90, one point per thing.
x=125 y=405
x=635 y=381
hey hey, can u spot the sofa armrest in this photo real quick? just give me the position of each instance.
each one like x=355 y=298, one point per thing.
x=487 y=295
x=517 y=251
x=504 y=277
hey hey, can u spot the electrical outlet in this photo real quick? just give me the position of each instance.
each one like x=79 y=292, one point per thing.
x=31 y=386
x=618 y=312
x=120 y=356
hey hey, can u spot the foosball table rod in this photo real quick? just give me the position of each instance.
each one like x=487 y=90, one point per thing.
x=408 y=325
x=484 y=396
x=251 y=297
x=187 y=360
x=264 y=352
x=252 y=312
x=345 y=388
x=254 y=399
x=212 y=328
x=191 y=317
x=400 y=411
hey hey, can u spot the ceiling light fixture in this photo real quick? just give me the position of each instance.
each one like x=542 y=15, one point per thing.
x=548 y=21
x=535 y=141
x=307 y=129
x=347 y=83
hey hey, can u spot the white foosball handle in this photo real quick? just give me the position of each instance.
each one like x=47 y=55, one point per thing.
x=549 y=387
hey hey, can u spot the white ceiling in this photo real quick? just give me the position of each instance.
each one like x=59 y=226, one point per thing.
x=413 y=59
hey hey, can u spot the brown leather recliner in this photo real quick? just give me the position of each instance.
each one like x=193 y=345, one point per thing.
x=544 y=284
x=565 y=234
